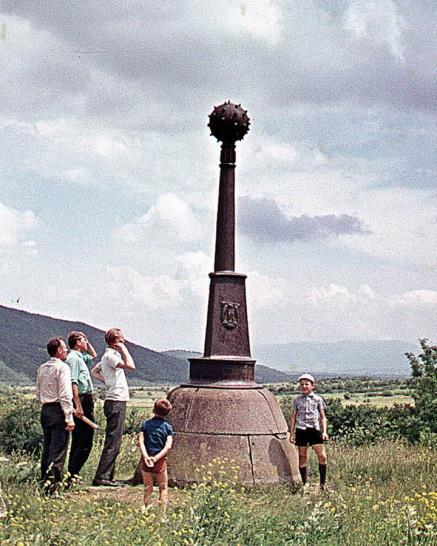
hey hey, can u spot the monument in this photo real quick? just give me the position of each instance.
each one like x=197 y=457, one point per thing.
x=221 y=411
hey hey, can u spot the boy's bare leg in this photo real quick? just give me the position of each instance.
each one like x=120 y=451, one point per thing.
x=148 y=487
x=321 y=454
x=303 y=454
x=162 y=482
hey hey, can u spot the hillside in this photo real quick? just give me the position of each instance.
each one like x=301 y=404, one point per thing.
x=342 y=357
x=23 y=337
x=263 y=374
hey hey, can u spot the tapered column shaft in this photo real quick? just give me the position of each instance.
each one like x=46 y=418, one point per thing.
x=225 y=231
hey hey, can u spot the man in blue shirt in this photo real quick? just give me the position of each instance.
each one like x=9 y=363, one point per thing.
x=79 y=358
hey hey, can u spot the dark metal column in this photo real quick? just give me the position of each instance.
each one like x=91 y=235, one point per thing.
x=227 y=349
x=225 y=232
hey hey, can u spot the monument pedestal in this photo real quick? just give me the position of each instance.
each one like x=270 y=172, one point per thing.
x=240 y=422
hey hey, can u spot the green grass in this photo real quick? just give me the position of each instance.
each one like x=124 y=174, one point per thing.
x=378 y=401
x=357 y=399
x=379 y=495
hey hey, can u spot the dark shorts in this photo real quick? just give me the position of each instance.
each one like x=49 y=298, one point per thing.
x=157 y=468
x=308 y=437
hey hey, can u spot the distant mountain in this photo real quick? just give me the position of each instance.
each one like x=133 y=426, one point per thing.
x=381 y=358
x=263 y=374
x=23 y=339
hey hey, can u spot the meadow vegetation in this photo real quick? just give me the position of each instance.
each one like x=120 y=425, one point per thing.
x=381 y=476
x=382 y=494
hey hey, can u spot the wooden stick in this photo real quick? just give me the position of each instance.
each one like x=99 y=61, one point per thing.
x=87 y=421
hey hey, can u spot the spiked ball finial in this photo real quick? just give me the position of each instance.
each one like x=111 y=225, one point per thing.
x=229 y=122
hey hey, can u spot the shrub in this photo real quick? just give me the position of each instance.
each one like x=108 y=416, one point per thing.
x=134 y=418
x=361 y=425
x=20 y=429
x=424 y=382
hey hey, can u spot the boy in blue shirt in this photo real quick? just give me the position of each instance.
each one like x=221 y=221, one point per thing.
x=156 y=440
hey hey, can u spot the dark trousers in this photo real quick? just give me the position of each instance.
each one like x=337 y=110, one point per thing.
x=81 y=437
x=55 y=443
x=115 y=413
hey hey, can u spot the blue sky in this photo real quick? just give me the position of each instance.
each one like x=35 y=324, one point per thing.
x=109 y=175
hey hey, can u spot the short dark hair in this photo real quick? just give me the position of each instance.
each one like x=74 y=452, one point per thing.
x=73 y=338
x=112 y=334
x=53 y=345
x=162 y=407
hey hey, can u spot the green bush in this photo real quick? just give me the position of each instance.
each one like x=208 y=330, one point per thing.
x=20 y=429
x=134 y=418
x=361 y=425
x=424 y=382
x=364 y=424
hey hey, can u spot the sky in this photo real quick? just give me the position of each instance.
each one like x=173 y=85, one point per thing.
x=110 y=177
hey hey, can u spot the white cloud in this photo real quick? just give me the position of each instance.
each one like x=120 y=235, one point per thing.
x=77 y=152
x=271 y=152
x=261 y=18
x=15 y=225
x=264 y=291
x=170 y=215
x=127 y=286
x=343 y=312
x=417 y=298
x=192 y=268
x=377 y=21
x=402 y=222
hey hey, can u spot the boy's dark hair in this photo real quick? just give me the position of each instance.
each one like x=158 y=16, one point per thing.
x=53 y=345
x=112 y=334
x=73 y=338
x=161 y=407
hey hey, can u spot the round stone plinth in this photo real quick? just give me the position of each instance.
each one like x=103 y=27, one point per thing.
x=243 y=425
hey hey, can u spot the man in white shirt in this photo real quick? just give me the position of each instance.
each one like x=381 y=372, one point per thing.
x=53 y=390
x=110 y=370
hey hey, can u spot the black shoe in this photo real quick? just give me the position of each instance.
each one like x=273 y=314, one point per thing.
x=105 y=483
x=123 y=482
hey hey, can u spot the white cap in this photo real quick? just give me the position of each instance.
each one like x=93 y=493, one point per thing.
x=307 y=376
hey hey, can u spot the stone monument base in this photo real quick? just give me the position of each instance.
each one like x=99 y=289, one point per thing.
x=240 y=422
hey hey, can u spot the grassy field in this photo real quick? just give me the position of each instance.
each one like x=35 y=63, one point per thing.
x=383 y=494
x=380 y=495
x=378 y=401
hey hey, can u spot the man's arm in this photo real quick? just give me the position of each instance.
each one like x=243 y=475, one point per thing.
x=65 y=394
x=72 y=361
x=164 y=450
x=128 y=362
x=90 y=349
x=38 y=386
x=77 y=402
x=97 y=372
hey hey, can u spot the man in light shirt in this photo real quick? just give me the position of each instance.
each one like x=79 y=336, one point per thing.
x=110 y=370
x=79 y=358
x=53 y=390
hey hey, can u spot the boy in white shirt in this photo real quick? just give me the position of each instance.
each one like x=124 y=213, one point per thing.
x=110 y=370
